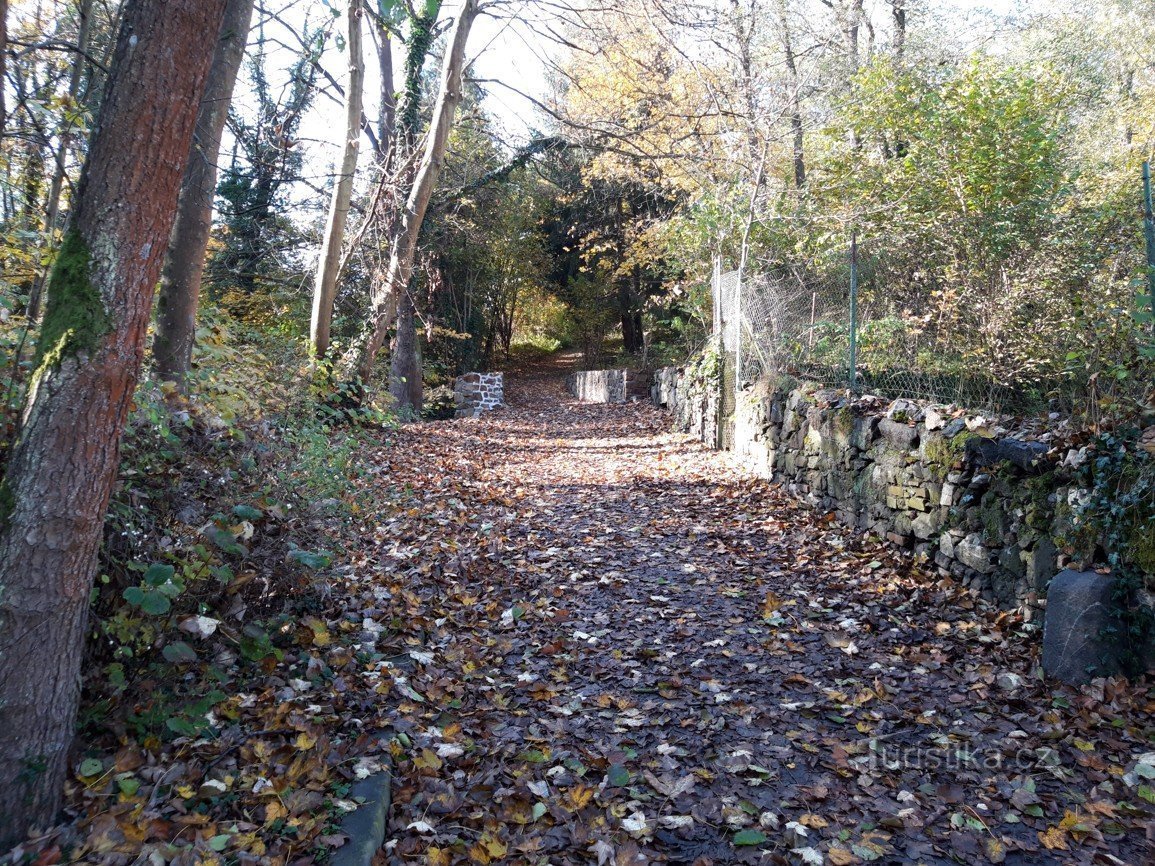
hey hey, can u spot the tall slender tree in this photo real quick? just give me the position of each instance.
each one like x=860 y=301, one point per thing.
x=184 y=261
x=3 y=57
x=387 y=293
x=62 y=467
x=325 y=289
x=67 y=132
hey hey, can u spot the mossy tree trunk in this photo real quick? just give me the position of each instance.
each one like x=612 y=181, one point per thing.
x=3 y=56
x=184 y=261
x=63 y=465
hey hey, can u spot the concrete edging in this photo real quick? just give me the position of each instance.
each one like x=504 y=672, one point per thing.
x=367 y=825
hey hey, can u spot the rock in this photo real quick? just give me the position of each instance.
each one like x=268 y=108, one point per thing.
x=1025 y=455
x=897 y=434
x=1079 y=613
x=1009 y=682
x=933 y=418
x=903 y=411
x=972 y=553
x=925 y=525
x=954 y=428
x=946 y=545
x=1039 y=564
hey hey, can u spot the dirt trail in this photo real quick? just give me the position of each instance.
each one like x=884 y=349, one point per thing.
x=607 y=645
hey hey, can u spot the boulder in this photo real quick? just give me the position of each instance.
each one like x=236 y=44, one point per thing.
x=1078 y=628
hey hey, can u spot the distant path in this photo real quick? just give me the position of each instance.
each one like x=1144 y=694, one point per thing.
x=615 y=648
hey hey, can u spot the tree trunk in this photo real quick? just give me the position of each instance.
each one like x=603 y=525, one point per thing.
x=792 y=92
x=387 y=111
x=405 y=366
x=63 y=465
x=363 y=353
x=60 y=172
x=3 y=56
x=898 y=12
x=184 y=261
x=325 y=290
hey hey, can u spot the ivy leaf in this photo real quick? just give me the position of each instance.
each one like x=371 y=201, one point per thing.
x=91 y=767
x=179 y=653
x=618 y=776
x=155 y=602
x=749 y=837
x=158 y=574
x=248 y=512
x=309 y=559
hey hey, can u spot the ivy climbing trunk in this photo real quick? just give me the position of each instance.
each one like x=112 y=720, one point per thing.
x=325 y=289
x=63 y=465
x=184 y=261
x=3 y=56
x=362 y=354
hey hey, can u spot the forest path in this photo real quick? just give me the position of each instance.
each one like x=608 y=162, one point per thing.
x=608 y=645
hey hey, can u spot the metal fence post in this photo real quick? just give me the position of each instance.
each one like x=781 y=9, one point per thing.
x=853 y=310
x=1149 y=233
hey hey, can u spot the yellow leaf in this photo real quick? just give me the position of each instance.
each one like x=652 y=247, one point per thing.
x=1054 y=839
x=275 y=809
x=437 y=856
x=579 y=797
x=770 y=605
x=305 y=742
x=496 y=848
x=1084 y=746
x=427 y=760
x=840 y=857
x=996 y=850
x=814 y=822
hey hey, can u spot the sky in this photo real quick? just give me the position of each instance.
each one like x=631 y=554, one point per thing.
x=508 y=50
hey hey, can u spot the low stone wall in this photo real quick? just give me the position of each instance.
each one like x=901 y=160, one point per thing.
x=609 y=386
x=475 y=393
x=994 y=511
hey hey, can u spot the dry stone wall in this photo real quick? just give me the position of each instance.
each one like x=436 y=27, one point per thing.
x=609 y=386
x=475 y=393
x=996 y=512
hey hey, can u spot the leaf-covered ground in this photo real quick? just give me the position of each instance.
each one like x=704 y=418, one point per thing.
x=584 y=639
x=603 y=643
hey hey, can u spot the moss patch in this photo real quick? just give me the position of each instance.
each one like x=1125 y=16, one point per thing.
x=75 y=318
x=7 y=503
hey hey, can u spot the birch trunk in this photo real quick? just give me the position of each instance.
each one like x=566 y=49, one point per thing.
x=63 y=465
x=325 y=289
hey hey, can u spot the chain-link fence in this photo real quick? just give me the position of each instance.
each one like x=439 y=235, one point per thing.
x=796 y=320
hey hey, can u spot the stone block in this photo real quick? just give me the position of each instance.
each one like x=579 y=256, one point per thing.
x=1039 y=564
x=1077 y=642
x=1025 y=455
x=972 y=553
x=926 y=525
x=899 y=435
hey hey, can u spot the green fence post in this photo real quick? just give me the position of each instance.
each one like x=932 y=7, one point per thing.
x=1149 y=233
x=853 y=310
